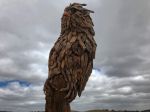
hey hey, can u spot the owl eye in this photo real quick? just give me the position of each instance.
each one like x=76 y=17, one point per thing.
x=73 y=10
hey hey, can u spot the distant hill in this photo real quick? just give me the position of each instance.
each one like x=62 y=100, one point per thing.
x=99 y=111
x=114 y=111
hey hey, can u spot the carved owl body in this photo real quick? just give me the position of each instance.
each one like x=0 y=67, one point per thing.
x=71 y=58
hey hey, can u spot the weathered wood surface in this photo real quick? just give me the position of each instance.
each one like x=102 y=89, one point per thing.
x=70 y=60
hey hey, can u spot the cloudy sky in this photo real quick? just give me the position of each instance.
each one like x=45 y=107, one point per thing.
x=121 y=74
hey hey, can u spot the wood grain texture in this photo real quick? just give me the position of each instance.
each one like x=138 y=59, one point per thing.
x=71 y=59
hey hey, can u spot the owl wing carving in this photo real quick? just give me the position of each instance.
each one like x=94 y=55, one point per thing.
x=71 y=59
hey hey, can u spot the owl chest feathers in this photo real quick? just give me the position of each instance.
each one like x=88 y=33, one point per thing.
x=70 y=52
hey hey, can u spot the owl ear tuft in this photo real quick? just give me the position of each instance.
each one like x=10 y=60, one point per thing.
x=90 y=11
x=83 y=4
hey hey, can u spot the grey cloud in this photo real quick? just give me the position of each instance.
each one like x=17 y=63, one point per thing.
x=28 y=30
x=122 y=32
x=22 y=43
x=18 y=98
x=115 y=93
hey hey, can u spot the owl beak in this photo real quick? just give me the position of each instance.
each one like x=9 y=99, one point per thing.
x=66 y=14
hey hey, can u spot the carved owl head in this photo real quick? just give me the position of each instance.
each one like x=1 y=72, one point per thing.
x=76 y=17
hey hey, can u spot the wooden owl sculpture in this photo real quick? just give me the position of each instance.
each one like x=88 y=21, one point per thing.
x=71 y=59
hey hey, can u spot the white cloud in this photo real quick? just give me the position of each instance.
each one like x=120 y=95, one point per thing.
x=28 y=30
x=14 y=97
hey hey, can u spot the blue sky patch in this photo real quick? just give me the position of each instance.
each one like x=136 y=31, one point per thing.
x=21 y=82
